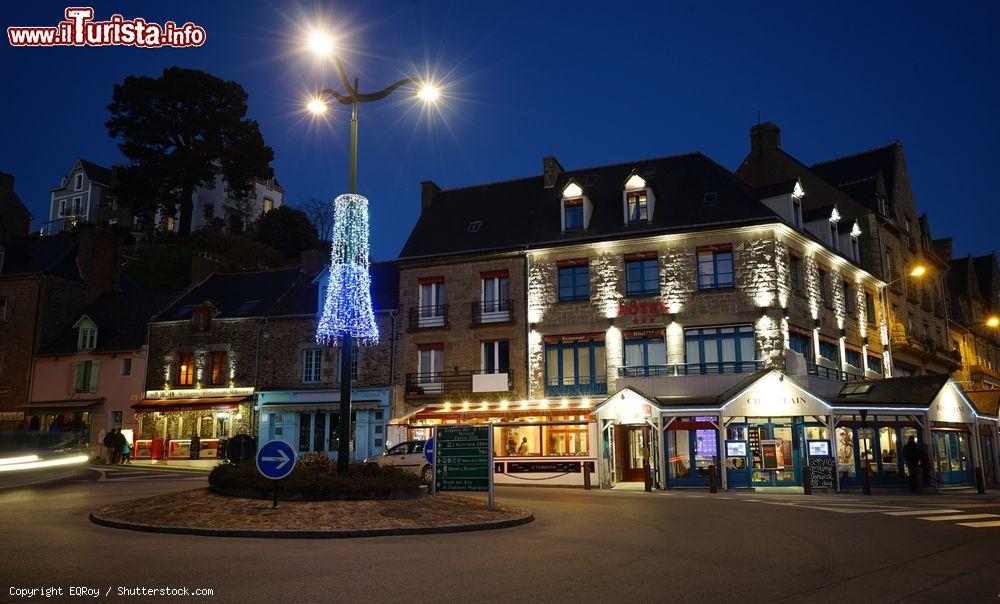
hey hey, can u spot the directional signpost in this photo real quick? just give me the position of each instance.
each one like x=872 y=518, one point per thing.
x=463 y=459
x=275 y=460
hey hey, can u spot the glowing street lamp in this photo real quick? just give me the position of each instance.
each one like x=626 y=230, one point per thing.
x=918 y=271
x=347 y=313
x=993 y=321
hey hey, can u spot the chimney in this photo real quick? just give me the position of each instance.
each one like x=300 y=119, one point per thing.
x=428 y=191
x=313 y=261
x=765 y=136
x=202 y=266
x=97 y=258
x=551 y=169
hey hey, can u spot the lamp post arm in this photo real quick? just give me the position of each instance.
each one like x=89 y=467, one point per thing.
x=381 y=94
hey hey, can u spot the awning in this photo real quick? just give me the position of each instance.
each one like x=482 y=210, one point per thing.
x=75 y=404
x=222 y=403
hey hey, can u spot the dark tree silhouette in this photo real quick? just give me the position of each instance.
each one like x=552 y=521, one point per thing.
x=286 y=229
x=180 y=131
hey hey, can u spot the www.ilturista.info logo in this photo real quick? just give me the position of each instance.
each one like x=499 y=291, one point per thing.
x=80 y=29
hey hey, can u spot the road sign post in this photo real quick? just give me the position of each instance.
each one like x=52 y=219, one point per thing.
x=463 y=459
x=275 y=460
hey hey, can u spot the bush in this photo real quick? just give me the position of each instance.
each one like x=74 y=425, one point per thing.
x=315 y=478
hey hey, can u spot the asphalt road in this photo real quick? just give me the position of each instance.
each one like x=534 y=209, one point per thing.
x=583 y=547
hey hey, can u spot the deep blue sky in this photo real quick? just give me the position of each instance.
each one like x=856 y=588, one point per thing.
x=589 y=83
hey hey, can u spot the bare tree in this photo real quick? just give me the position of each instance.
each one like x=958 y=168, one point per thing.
x=320 y=213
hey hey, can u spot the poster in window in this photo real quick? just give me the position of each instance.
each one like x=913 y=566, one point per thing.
x=736 y=448
x=770 y=455
x=819 y=448
x=755 y=453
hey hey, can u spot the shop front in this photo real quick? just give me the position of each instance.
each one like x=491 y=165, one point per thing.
x=875 y=444
x=179 y=429
x=309 y=420
x=956 y=438
x=535 y=443
x=70 y=423
x=630 y=445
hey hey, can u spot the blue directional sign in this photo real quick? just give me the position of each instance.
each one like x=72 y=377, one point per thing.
x=275 y=459
x=429 y=450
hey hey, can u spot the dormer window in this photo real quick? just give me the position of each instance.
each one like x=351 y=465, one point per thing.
x=78 y=183
x=638 y=200
x=87 y=339
x=797 y=194
x=834 y=219
x=855 y=246
x=575 y=208
x=201 y=318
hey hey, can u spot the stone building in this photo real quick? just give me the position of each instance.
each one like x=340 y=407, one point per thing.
x=44 y=286
x=645 y=286
x=298 y=393
x=204 y=365
x=863 y=205
x=973 y=284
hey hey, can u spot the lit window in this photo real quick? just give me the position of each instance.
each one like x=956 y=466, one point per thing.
x=574 y=283
x=715 y=267
x=218 y=370
x=185 y=369
x=268 y=205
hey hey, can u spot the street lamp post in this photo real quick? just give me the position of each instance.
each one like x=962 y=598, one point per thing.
x=323 y=45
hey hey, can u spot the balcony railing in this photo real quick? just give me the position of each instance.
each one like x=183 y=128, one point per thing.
x=456 y=382
x=63 y=223
x=831 y=373
x=423 y=317
x=577 y=386
x=492 y=311
x=683 y=369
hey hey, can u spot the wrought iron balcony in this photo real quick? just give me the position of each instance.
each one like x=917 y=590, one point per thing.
x=683 y=369
x=456 y=382
x=492 y=311
x=424 y=317
x=577 y=386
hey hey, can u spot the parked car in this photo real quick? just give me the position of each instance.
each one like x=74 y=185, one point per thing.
x=408 y=455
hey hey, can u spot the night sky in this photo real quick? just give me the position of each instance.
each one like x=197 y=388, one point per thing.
x=590 y=84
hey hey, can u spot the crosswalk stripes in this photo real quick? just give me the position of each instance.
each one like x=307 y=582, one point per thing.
x=987 y=524
x=922 y=512
x=952 y=515
x=959 y=517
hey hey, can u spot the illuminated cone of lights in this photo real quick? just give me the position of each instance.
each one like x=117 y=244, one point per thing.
x=348 y=307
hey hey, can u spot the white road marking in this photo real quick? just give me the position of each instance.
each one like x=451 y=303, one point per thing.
x=988 y=523
x=960 y=517
x=919 y=512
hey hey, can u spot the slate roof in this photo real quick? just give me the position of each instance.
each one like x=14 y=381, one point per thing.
x=235 y=295
x=121 y=322
x=861 y=166
x=95 y=173
x=779 y=188
x=916 y=391
x=522 y=213
x=304 y=297
x=55 y=255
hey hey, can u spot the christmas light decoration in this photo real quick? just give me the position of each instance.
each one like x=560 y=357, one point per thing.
x=348 y=305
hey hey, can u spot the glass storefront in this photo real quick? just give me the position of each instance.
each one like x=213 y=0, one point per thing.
x=692 y=446
x=878 y=446
x=953 y=462
x=559 y=440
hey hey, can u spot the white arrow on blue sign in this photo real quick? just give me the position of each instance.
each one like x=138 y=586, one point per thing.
x=275 y=459
x=429 y=450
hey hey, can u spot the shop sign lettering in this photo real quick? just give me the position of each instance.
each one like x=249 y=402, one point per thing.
x=644 y=311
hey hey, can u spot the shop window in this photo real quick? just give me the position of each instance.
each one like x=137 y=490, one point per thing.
x=185 y=369
x=496 y=356
x=642 y=277
x=638 y=211
x=311 y=365
x=829 y=351
x=305 y=429
x=715 y=267
x=719 y=349
x=801 y=344
x=643 y=356
x=87 y=373
x=218 y=370
x=509 y=441
x=575 y=368
x=568 y=440
x=888 y=451
x=795 y=272
x=574 y=283
x=319 y=431
x=846 y=466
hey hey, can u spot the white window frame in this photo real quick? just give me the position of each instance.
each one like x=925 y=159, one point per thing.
x=431 y=302
x=426 y=377
x=496 y=309
x=495 y=345
x=87 y=338
x=78 y=182
x=77 y=205
x=311 y=365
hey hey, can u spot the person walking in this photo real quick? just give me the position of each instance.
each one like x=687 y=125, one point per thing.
x=120 y=442
x=126 y=451
x=912 y=455
x=109 y=445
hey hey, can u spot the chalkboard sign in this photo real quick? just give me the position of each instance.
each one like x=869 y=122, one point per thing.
x=194 y=452
x=821 y=472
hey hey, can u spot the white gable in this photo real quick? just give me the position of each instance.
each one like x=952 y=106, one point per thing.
x=774 y=395
x=951 y=406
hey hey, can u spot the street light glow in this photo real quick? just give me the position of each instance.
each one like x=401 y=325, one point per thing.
x=993 y=321
x=316 y=107
x=428 y=93
x=918 y=271
x=320 y=43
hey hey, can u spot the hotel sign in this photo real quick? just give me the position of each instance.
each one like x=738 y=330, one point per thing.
x=198 y=392
x=644 y=311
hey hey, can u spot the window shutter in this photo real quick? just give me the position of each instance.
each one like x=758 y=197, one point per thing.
x=95 y=370
x=81 y=368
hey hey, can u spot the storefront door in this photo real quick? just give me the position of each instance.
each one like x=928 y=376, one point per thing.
x=774 y=452
x=951 y=456
x=691 y=447
x=634 y=447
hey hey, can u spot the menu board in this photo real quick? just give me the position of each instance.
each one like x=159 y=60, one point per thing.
x=194 y=451
x=819 y=448
x=821 y=471
x=755 y=452
x=736 y=448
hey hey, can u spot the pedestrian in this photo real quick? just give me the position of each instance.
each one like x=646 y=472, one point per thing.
x=120 y=442
x=109 y=444
x=925 y=464
x=911 y=455
x=523 y=449
x=126 y=452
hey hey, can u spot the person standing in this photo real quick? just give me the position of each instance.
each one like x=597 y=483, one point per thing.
x=912 y=455
x=126 y=451
x=109 y=445
x=120 y=443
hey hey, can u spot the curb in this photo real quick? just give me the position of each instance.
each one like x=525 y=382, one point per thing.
x=336 y=534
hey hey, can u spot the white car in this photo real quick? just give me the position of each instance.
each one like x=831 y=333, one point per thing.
x=408 y=455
